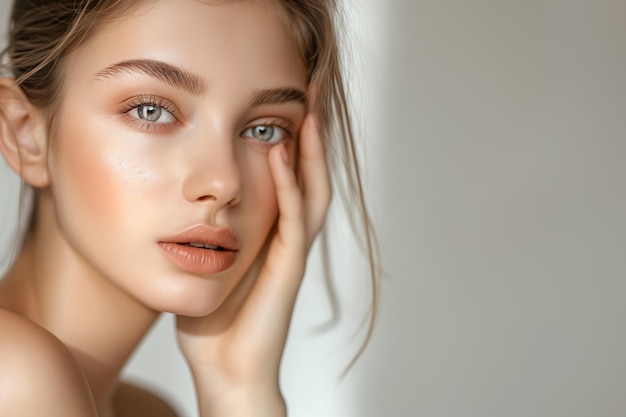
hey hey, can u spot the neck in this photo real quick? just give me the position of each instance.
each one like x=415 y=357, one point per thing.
x=100 y=324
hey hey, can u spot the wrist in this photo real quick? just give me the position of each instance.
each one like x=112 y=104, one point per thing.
x=224 y=396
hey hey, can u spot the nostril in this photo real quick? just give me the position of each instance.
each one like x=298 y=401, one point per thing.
x=234 y=201
x=207 y=198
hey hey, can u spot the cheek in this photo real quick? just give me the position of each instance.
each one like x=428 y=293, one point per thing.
x=258 y=193
x=80 y=176
x=94 y=176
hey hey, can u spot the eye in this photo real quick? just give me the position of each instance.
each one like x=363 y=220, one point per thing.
x=152 y=113
x=265 y=133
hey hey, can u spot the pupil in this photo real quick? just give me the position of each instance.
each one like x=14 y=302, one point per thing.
x=264 y=133
x=149 y=113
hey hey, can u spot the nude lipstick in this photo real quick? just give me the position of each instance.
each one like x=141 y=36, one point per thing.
x=201 y=249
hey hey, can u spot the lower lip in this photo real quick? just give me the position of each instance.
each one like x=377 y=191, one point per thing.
x=196 y=260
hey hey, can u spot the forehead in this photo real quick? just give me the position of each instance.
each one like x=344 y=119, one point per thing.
x=225 y=40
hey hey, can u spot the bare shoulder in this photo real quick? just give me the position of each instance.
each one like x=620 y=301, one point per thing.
x=133 y=400
x=38 y=374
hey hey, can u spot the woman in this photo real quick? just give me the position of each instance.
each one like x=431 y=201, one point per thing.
x=176 y=151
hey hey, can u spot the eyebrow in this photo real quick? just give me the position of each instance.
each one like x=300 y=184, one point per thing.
x=192 y=83
x=162 y=71
x=278 y=96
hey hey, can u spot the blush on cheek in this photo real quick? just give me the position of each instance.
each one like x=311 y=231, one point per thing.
x=81 y=179
x=93 y=176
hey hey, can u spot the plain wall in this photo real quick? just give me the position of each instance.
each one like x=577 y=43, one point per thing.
x=494 y=136
x=502 y=205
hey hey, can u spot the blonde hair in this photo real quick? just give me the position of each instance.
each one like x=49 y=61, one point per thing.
x=43 y=32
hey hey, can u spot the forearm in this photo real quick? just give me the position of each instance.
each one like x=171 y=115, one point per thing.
x=219 y=397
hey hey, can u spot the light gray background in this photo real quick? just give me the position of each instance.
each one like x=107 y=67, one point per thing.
x=495 y=145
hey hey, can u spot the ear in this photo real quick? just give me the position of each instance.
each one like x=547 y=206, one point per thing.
x=23 y=135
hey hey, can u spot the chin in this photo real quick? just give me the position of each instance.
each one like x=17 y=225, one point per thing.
x=193 y=311
x=190 y=300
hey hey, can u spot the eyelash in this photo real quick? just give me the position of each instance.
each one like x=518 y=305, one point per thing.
x=156 y=101
x=287 y=128
x=149 y=100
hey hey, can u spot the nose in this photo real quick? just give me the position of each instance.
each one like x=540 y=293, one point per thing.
x=212 y=171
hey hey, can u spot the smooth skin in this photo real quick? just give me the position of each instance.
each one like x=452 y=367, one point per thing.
x=90 y=280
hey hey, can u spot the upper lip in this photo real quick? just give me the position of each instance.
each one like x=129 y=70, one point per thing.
x=202 y=233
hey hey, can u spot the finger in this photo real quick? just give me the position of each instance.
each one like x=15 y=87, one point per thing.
x=231 y=306
x=224 y=318
x=281 y=257
x=274 y=292
x=288 y=248
x=315 y=176
x=266 y=312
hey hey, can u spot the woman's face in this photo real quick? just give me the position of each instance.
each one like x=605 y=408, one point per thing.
x=166 y=121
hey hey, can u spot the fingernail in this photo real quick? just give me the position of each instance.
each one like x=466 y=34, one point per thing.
x=284 y=154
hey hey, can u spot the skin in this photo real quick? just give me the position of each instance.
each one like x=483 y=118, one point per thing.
x=113 y=185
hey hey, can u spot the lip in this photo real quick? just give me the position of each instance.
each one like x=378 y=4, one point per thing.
x=200 y=260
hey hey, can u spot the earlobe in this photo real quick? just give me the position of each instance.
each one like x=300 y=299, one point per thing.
x=23 y=135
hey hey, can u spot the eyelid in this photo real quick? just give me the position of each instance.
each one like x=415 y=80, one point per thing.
x=149 y=99
x=132 y=103
x=288 y=128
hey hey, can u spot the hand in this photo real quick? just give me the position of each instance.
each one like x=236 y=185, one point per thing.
x=241 y=343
